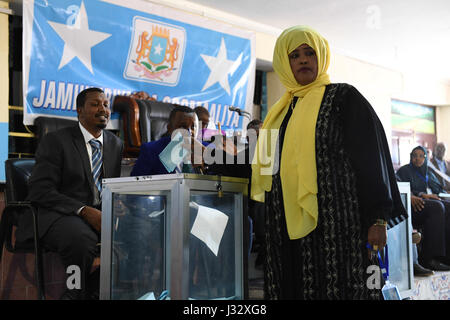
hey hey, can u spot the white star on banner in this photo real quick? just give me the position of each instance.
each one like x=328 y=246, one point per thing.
x=78 y=39
x=220 y=67
x=158 y=49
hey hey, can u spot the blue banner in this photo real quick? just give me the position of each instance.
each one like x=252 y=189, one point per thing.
x=175 y=57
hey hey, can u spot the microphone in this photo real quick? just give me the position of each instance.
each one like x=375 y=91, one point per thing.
x=231 y=108
x=239 y=111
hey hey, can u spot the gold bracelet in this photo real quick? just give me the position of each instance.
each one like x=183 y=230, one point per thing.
x=380 y=222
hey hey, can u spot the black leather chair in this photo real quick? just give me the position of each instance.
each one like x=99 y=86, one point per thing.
x=143 y=121
x=18 y=172
x=153 y=119
x=45 y=125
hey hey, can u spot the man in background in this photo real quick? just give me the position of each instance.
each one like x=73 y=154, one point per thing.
x=203 y=116
x=441 y=164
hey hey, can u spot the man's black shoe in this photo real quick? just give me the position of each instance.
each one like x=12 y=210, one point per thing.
x=420 y=271
x=93 y=285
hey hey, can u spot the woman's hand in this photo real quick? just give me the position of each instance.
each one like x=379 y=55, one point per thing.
x=377 y=237
x=430 y=196
x=417 y=203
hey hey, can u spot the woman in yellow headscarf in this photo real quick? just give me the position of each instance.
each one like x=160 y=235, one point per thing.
x=323 y=169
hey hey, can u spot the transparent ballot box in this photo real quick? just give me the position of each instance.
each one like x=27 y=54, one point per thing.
x=174 y=236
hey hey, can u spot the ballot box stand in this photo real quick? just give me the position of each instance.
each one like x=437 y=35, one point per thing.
x=174 y=236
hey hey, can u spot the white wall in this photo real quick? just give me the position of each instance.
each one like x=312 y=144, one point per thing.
x=375 y=83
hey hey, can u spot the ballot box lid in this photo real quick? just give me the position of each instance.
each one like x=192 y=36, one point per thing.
x=174 y=176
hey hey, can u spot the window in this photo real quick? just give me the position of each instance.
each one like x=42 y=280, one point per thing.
x=412 y=125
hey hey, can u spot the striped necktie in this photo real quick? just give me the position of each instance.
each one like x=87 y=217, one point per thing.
x=96 y=162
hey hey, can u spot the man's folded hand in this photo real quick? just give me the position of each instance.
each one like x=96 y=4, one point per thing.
x=92 y=216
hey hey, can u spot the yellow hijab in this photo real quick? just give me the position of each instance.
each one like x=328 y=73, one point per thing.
x=298 y=161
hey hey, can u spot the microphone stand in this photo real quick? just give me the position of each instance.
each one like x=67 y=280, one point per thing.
x=243 y=113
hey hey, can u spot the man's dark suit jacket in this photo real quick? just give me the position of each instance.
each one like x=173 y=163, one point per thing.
x=62 y=182
x=443 y=182
x=148 y=162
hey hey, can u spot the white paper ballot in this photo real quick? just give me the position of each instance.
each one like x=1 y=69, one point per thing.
x=209 y=226
x=148 y=296
x=174 y=153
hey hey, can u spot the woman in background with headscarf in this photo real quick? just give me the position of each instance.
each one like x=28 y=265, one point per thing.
x=331 y=188
x=429 y=212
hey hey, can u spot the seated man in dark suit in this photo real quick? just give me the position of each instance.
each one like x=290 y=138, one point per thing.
x=148 y=162
x=65 y=185
x=441 y=164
